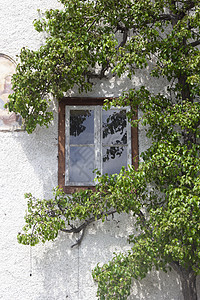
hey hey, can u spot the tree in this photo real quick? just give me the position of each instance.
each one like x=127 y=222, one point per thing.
x=95 y=39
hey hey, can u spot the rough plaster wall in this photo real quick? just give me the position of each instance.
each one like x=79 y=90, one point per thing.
x=28 y=163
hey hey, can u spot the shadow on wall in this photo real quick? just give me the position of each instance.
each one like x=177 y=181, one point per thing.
x=159 y=286
x=39 y=160
x=65 y=273
x=58 y=270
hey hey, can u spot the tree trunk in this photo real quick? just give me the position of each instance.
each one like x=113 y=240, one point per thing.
x=188 y=282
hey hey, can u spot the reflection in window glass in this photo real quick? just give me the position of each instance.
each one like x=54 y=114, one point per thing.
x=114 y=127
x=81 y=164
x=81 y=127
x=113 y=159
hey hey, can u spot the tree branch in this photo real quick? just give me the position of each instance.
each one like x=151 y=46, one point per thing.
x=167 y=17
x=188 y=5
x=83 y=226
x=143 y=220
x=125 y=35
x=194 y=44
x=91 y=75
x=78 y=242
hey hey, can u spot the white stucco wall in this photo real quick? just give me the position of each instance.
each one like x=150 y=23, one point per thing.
x=28 y=163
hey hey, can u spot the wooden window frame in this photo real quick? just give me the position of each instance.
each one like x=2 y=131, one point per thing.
x=83 y=101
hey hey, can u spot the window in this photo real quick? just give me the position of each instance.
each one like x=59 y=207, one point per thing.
x=92 y=138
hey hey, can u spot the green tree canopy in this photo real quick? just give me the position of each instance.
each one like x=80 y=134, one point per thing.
x=95 y=39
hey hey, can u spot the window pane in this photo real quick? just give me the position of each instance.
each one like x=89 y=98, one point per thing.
x=113 y=159
x=114 y=127
x=81 y=127
x=81 y=164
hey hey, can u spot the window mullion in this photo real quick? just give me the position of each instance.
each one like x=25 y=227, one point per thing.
x=129 y=149
x=97 y=125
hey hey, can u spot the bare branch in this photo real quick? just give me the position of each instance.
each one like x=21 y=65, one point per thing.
x=125 y=35
x=94 y=21
x=100 y=75
x=185 y=8
x=78 y=242
x=91 y=75
x=83 y=226
x=175 y=265
x=194 y=44
x=143 y=220
x=167 y=17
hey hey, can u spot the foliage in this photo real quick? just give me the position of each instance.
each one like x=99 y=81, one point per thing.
x=90 y=40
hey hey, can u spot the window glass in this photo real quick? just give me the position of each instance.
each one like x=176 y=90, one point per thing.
x=113 y=159
x=81 y=164
x=81 y=127
x=114 y=131
x=114 y=127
